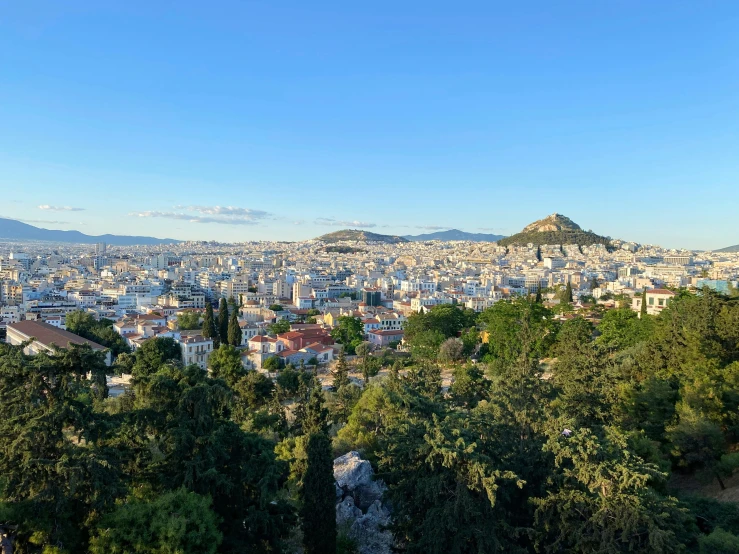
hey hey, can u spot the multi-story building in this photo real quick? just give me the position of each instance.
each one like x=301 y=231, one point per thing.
x=196 y=350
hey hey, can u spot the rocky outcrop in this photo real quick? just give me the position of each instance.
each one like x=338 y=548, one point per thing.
x=359 y=507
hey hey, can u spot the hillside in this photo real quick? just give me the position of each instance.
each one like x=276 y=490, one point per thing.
x=358 y=235
x=455 y=234
x=17 y=230
x=734 y=248
x=554 y=229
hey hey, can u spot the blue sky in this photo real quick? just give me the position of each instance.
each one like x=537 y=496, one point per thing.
x=284 y=120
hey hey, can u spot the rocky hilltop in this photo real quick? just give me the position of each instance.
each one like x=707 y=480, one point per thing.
x=554 y=229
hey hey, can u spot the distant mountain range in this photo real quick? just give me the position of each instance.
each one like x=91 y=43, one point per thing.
x=17 y=230
x=456 y=234
x=360 y=236
x=554 y=229
x=734 y=248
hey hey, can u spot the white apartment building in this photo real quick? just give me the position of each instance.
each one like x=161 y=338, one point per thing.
x=657 y=300
x=196 y=350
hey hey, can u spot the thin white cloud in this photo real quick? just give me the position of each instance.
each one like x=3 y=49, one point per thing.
x=44 y=221
x=197 y=218
x=229 y=211
x=60 y=208
x=331 y=222
x=432 y=227
x=221 y=215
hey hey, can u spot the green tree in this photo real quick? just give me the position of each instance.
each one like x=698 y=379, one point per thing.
x=155 y=353
x=426 y=344
x=223 y=321
x=697 y=444
x=719 y=542
x=85 y=325
x=254 y=390
x=318 y=513
x=175 y=522
x=643 y=308
x=188 y=440
x=48 y=482
x=621 y=328
x=567 y=294
x=276 y=307
x=225 y=363
x=599 y=500
x=188 y=321
x=363 y=350
x=340 y=372
x=348 y=332
x=273 y=363
x=209 y=326
x=279 y=327
x=518 y=327
x=234 y=330
x=448 y=488
x=469 y=386
x=451 y=351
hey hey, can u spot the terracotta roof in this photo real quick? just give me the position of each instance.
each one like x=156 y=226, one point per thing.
x=380 y=332
x=661 y=291
x=48 y=334
x=290 y=335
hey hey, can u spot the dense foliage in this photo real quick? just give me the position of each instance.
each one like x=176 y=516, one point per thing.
x=102 y=332
x=504 y=431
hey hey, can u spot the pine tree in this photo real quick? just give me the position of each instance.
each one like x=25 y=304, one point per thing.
x=538 y=298
x=209 y=326
x=643 y=310
x=223 y=321
x=318 y=513
x=234 y=330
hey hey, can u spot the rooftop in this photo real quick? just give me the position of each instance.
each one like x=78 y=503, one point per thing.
x=49 y=335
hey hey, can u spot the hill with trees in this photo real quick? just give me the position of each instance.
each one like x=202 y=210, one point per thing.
x=357 y=235
x=554 y=229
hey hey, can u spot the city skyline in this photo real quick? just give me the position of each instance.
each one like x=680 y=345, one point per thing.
x=284 y=123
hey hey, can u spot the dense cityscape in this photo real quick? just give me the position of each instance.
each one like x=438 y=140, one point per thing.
x=369 y=277
x=324 y=347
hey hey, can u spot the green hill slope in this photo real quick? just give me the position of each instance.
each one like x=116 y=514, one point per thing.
x=358 y=235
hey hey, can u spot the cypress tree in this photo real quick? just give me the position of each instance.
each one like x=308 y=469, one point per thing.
x=538 y=298
x=209 y=326
x=223 y=321
x=318 y=511
x=643 y=310
x=234 y=331
x=341 y=371
x=567 y=296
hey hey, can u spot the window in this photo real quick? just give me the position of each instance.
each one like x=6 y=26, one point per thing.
x=651 y=300
x=661 y=301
